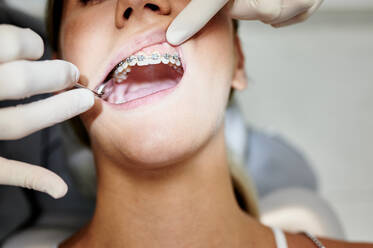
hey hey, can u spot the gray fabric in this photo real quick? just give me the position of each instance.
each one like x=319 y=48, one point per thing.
x=12 y=16
x=274 y=164
x=14 y=210
x=271 y=161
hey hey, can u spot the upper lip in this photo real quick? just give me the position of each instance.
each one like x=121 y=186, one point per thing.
x=130 y=47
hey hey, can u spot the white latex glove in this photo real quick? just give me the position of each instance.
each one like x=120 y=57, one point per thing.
x=19 y=78
x=275 y=12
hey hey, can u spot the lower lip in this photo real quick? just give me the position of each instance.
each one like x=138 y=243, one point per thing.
x=149 y=99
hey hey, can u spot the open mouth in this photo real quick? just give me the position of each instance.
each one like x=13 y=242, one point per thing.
x=147 y=72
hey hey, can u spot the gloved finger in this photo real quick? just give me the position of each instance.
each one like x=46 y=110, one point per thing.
x=192 y=19
x=297 y=19
x=23 y=78
x=292 y=8
x=263 y=10
x=20 y=121
x=15 y=173
x=301 y=17
x=19 y=43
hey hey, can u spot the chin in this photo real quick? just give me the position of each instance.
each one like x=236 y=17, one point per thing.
x=154 y=139
x=158 y=154
x=150 y=150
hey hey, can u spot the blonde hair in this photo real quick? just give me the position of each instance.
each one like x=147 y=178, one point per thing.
x=243 y=186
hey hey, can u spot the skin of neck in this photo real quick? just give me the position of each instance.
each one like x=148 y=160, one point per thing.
x=190 y=204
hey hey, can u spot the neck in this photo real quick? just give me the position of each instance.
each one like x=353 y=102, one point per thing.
x=190 y=204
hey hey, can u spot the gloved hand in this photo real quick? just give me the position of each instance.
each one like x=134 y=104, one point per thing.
x=275 y=12
x=20 y=78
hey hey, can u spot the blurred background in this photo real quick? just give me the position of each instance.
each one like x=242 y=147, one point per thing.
x=312 y=84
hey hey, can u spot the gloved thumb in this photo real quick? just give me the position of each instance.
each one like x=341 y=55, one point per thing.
x=263 y=10
x=192 y=18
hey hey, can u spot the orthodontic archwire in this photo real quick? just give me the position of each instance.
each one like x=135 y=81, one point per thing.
x=140 y=60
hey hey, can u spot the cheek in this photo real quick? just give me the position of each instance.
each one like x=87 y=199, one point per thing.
x=216 y=51
x=84 y=42
x=213 y=68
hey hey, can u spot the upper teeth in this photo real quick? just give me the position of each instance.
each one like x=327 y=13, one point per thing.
x=141 y=59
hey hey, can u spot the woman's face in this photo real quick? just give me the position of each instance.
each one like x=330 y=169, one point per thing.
x=158 y=115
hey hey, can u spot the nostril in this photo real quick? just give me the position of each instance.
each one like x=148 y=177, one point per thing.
x=127 y=13
x=152 y=7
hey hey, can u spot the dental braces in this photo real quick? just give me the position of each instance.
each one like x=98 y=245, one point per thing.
x=124 y=67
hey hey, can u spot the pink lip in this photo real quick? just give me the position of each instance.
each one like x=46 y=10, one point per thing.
x=135 y=44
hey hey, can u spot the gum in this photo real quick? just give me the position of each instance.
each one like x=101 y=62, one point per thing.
x=162 y=48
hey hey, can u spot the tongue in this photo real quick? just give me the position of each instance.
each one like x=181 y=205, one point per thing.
x=131 y=91
x=144 y=81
